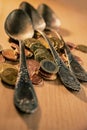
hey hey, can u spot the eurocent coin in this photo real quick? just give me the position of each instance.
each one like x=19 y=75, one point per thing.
x=9 y=76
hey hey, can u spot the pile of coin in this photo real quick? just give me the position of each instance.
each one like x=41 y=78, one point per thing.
x=40 y=61
x=39 y=50
x=33 y=69
x=35 y=52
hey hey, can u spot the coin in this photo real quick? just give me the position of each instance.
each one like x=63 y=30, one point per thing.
x=29 y=41
x=36 y=79
x=15 y=46
x=33 y=66
x=9 y=76
x=49 y=66
x=41 y=54
x=43 y=42
x=71 y=45
x=4 y=66
x=58 y=45
x=82 y=48
x=39 y=57
x=35 y=46
x=9 y=54
x=47 y=76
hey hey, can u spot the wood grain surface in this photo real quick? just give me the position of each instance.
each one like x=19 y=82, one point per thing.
x=59 y=109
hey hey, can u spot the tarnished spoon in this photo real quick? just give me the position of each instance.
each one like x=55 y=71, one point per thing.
x=66 y=76
x=18 y=26
x=51 y=22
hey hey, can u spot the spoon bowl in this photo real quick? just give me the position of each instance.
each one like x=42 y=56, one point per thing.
x=37 y=20
x=49 y=16
x=18 y=26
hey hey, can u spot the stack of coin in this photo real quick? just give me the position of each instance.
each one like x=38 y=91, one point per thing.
x=48 y=69
x=33 y=69
x=40 y=52
x=38 y=49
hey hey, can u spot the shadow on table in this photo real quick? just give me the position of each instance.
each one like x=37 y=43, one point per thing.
x=64 y=32
x=81 y=94
x=7 y=86
x=32 y=120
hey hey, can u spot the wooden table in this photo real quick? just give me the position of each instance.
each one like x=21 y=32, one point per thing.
x=59 y=109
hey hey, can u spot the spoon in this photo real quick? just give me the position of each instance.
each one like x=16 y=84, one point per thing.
x=66 y=76
x=47 y=13
x=18 y=26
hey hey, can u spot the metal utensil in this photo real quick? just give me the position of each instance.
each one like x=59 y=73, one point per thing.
x=66 y=76
x=18 y=26
x=50 y=19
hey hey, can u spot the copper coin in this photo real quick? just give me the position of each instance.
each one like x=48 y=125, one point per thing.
x=28 y=53
x=71 y=45
x=14 y=46
x=36 y=79
x=44 y=73
x=33 y=66
x=48 y=77
x=9 y=54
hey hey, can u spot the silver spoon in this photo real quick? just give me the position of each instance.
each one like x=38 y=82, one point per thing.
x=19 y=27
x=48 y=14
x=66 y=76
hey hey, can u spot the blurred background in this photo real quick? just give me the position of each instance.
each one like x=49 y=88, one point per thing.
x=72 y=13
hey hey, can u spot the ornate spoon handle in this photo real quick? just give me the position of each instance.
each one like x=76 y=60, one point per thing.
x=77 y=69
x=67 y=77
x=24 y=98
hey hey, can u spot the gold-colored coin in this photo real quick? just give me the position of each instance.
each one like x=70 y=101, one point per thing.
x=43 y=42
x=82 y=48
x=35 y=46
x=29 y=41
x=9 y=76
x=4 y=66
